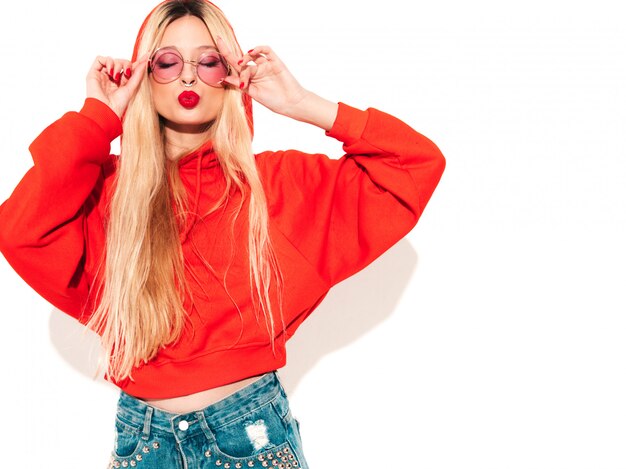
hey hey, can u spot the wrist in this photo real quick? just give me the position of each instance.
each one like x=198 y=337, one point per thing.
x=313 y=109
x=104 y=116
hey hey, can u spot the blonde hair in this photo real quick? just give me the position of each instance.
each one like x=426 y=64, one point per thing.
x=140 y=301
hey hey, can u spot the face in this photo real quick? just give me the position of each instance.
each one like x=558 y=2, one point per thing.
x=190 y=36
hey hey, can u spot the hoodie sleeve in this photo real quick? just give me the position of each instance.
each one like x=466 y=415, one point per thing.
x=341 y=214
x=43 y=224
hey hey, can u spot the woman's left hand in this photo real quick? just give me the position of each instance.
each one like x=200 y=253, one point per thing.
x=262 y=75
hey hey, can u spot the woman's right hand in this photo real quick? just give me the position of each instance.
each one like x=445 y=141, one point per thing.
x=115 y=81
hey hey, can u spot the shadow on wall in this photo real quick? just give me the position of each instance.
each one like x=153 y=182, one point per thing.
x=77 y=345
x=352 y=309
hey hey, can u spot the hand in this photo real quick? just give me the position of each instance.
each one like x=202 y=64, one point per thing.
x=262 y=75
x=115 y=81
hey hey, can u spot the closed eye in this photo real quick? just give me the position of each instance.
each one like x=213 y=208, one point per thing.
x=212 y=63
x=165 y=65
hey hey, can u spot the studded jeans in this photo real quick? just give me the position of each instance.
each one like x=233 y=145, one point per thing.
x=252 y=428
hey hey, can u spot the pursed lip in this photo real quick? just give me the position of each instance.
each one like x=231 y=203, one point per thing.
x=188 y=99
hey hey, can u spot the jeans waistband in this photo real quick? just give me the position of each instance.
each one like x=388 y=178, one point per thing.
x=139 y=414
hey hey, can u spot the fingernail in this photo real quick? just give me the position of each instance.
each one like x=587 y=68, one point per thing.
x=117 y=76
x=250 y=50
x=241 y=85
x=111 y=72
x=127 y=73
x=240 y=62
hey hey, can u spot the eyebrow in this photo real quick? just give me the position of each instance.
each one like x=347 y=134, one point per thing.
x=196 y=48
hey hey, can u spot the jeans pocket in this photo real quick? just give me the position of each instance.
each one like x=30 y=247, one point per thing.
x=255 y=438
x=130 y=448
x=127 y=439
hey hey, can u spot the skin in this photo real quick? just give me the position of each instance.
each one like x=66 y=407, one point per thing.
x=186 y=128
x=259 y=73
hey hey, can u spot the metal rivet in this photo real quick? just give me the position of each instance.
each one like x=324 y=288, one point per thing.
x=261 y=457
x=285 y=458
x=275 y=462
x=265 y=464
x=207 y=453
x=156 y=445
x=270 y=455
x=281 y=466
x=133 y=463
x=117 y=464
x=250 y=463
x=288 y=466
x=218 y=462
x=139 y=457
x=286 y=450
x=238 y=465
x=124 y=463
x=227 y=465
x=295 y=464
x=279 y=454
x=146 y=449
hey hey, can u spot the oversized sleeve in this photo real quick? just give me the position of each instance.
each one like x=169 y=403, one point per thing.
x=43 y=224
x=341 y=214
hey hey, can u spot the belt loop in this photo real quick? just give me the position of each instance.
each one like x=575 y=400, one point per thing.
x=205 y=427
x=145 y=434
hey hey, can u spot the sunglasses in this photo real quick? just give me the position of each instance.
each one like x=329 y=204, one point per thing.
x=166 y=65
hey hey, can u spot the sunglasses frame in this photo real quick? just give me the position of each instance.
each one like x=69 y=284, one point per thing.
x=195 y=64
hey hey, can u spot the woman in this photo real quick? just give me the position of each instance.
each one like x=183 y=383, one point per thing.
x=193 y=258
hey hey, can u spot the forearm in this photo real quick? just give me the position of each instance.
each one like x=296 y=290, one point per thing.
x=315 y=110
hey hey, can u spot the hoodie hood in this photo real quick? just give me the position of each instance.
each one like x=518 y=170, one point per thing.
x=204 y=158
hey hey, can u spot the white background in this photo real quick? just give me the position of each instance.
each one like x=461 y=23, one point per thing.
x=492 y=336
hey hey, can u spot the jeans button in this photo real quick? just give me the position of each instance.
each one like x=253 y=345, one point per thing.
x=183 y=425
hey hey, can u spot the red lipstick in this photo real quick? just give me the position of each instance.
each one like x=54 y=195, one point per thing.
x=188 y=99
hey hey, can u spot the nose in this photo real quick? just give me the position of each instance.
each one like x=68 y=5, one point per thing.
x=187 y=74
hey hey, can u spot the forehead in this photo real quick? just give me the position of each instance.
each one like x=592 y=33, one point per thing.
x=186 y=33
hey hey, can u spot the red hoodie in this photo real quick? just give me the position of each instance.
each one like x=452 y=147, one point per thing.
x=329 y=218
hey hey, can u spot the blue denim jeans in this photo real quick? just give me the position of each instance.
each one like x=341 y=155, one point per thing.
x=252 y=428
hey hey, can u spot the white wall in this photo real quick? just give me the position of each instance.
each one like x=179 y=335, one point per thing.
x=492 y=336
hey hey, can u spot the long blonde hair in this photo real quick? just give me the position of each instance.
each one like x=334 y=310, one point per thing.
x=140 y=301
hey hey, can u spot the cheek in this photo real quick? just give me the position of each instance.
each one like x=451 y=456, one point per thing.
x=215 y=96
x=214 y=101
x=158 y=98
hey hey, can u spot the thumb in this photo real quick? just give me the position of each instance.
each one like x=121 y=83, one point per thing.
x=124 y=94
x=138 y=70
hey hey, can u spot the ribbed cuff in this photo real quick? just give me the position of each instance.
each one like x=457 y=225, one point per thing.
x=104 y=116
x=349 y=124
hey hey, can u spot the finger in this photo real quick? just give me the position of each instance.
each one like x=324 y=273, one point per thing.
x=232 y=80
x=244 y=78
x=263 y=51
x=222 y=47
x=110 y=67
x=103 y=64
x=99 y=64
x=126 y=69
x=118 y=69
x=138 y=71
x=260 y=60
x=234 y=60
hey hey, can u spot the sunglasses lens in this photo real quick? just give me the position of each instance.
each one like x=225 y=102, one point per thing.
x=167 y=66
x=212 y=68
